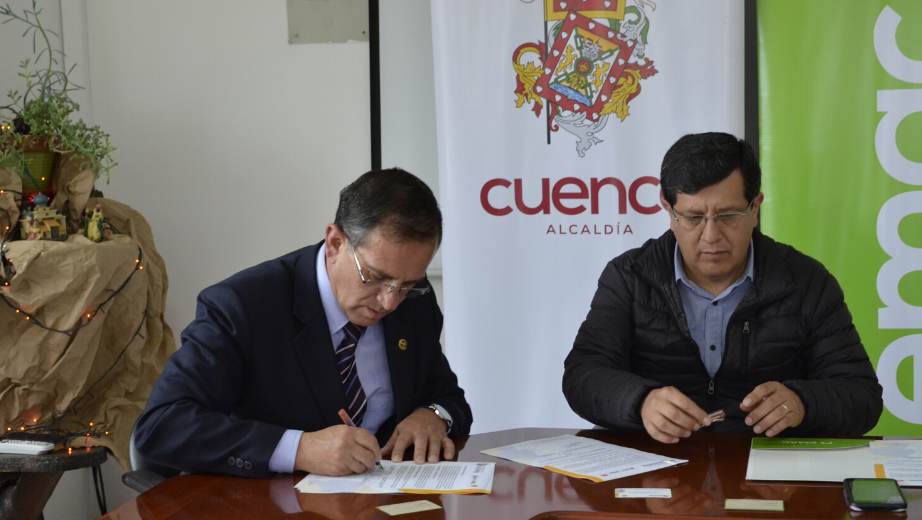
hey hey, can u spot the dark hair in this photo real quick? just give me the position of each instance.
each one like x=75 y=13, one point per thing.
x=396 y=201
x=697 y=161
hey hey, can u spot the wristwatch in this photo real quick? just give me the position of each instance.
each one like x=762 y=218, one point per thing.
x=435 y=408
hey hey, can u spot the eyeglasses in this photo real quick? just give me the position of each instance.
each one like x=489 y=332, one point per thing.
x=723 y=220
x=380 y=287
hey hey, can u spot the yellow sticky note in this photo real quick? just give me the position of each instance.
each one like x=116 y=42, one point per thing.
x=751 y=504
x=409 y=507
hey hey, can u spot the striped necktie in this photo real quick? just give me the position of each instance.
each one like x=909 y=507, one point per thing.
x=349 y=375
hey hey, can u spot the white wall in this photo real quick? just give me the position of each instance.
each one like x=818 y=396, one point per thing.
x=408 y=132
x=15 y=48
x=233 y=143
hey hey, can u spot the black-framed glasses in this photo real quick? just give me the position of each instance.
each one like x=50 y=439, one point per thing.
x=723 y=220
x=386 y=288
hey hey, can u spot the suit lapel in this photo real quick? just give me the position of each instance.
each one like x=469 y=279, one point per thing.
x=313 y=345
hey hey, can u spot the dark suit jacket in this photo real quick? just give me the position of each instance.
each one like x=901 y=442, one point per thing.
x=258 y=360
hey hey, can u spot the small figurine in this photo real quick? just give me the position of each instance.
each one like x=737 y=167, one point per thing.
x=96 y=228
x=34 y=229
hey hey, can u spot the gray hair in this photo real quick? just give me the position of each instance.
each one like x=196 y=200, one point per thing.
x=394 y=200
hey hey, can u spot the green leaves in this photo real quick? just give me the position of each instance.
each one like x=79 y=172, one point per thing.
x=45 y=107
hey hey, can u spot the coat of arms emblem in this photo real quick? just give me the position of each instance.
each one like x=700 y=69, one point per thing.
x=591 y=70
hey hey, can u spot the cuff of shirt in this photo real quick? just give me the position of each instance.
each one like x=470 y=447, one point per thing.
x=283 y=458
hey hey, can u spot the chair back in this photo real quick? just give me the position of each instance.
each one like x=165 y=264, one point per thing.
x=139 y=462
x=144 y=474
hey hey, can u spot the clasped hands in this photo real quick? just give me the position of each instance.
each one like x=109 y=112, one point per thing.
x=343 y=450
x=669 y=415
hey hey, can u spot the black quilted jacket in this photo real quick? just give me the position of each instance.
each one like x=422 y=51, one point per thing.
x=792 y=326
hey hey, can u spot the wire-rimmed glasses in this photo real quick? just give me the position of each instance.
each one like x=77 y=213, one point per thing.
x=385 y=288
x=723 y=220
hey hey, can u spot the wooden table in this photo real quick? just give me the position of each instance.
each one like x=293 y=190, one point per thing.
x=716 y=470
x=27 y=481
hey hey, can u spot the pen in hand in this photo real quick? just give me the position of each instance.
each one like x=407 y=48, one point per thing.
x=717 y=416
x=348 y=422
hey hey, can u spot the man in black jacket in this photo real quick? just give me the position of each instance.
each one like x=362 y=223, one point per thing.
x=715 y=315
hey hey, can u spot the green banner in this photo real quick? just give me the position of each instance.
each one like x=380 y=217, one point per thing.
x=841 y=151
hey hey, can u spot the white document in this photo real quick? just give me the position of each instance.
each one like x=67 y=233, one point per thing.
x=580 y=457
x=408 y=477
x=900 y=460
x=809 y=460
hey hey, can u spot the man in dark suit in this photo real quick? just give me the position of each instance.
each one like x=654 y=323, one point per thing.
x=277 y=350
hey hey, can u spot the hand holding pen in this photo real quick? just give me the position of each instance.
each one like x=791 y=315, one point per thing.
x=348 y=422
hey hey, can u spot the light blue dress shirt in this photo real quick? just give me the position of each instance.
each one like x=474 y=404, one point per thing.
x=708 y=315
x=371 y=363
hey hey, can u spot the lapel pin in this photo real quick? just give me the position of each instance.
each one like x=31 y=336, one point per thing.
x=402 y=344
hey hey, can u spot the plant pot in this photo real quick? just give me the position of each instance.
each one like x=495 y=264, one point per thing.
x=37 y=165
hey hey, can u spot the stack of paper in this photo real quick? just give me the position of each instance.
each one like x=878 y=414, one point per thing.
x=408 y=477
x=583 y=458
x=900 y=460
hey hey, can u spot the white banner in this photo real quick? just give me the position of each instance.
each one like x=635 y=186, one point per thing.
x=534 y=209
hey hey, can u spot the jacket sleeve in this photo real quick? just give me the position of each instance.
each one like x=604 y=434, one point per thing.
x=841 y=394
x=597 y=380
x=187 y=423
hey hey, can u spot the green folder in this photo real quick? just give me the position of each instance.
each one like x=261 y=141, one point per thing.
x=792 y=443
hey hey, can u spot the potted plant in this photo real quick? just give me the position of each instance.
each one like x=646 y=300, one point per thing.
x=36 y=127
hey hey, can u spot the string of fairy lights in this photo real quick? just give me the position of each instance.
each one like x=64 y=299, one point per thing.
x=85 y=320
x=59 y=423
x=56 y=423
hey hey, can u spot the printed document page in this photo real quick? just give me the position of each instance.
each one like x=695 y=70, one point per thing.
x=900 y=460
x=580 y=457
x=407 y=477
x=809 y=460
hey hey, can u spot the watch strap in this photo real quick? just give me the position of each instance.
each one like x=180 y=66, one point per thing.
x=438 y=413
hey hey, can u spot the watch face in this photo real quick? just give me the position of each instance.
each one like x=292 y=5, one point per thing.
x=438 y=414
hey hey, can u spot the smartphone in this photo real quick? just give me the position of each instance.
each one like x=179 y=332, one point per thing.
x=874 y=494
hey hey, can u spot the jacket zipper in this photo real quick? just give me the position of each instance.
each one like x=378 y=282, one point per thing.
x=710 y=397
x=744 y=355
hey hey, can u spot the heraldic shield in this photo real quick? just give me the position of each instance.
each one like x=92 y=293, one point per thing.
x=593 y=68
x=584 y=66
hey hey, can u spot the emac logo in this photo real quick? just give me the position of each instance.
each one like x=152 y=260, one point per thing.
x=556 y=196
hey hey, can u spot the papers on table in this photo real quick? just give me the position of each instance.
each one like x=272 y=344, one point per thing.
x=810 y=460
x=900 y=460
x=408 y=477
x=583 y=458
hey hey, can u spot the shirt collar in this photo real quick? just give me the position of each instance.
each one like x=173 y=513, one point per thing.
x=336 y=320
x=749 y=273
